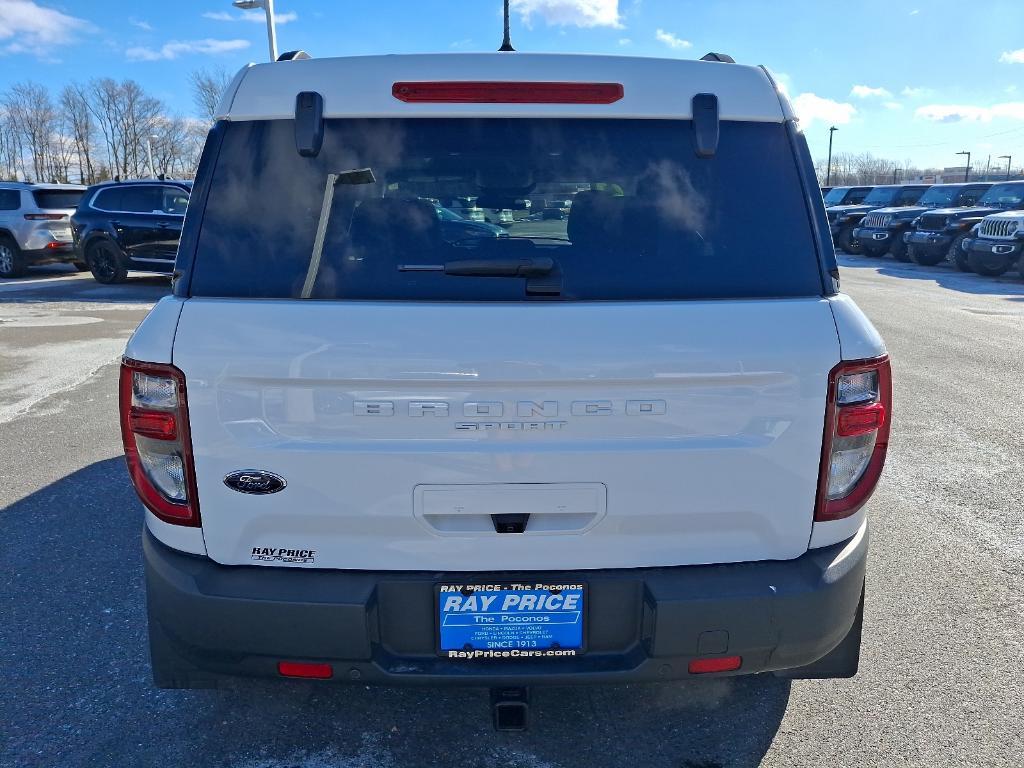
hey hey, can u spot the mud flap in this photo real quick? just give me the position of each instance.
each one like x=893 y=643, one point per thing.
x=841 y=662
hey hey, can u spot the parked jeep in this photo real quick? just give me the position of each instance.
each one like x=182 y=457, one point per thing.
x=996 y=244
x=844 y=195
x=883 y=230
x=843 y=219
x=940 y=234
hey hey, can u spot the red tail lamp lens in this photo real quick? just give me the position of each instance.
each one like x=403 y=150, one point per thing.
x=860 y=419
x=715 y=664
x=301 y=669
x=158 y=425
x=476 y=92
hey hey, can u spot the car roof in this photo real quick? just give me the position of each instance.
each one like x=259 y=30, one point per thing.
x=361 y=86
x=140 y=183
x=29 y=186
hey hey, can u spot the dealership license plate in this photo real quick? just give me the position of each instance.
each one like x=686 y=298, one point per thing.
x=514 y=620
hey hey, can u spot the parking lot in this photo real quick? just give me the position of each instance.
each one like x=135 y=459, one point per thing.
x=940 y=681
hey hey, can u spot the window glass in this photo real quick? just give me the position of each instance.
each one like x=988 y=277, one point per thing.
x=57 y=198
x=142 y=199
x=10 y=199
x=623 y=209
x=109 y=199
x=175 y=200
x=909 y=196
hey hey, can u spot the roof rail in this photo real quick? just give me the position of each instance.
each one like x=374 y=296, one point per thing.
x=294 y=56
x=725 y=58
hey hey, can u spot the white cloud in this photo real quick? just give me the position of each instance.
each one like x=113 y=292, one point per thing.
x=257 y=17
x=867 y=92
x=962 y=113
x=625 y=41
x=810 y=107
x=145 y=26
x=915 y=93
x=671 y=40
x=914 y=12
x=892 y=105
x=1013 y=57
x=578 y=13
x=27 y=27
x=176 y=48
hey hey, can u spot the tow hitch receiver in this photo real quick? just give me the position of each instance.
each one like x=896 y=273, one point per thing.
x=511 y=708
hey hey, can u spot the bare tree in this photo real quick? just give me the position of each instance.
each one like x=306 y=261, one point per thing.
x=74 y=103
x=32 y=115
x=207 y=87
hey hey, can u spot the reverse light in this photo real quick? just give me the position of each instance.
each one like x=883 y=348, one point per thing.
x=715 y=664
x=157 y=443
x=480 y=92
x=858 y=414
x=306 y=670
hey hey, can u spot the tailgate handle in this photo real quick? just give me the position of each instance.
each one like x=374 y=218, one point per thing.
x=510 y=523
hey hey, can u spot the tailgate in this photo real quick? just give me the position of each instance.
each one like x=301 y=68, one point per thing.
x=632 y=434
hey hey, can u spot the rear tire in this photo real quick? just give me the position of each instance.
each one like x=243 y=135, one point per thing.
x=899 y=249
x=989 y=264
x=12 y=261
x=107 y=263
x=848 y=243
x=924 y=258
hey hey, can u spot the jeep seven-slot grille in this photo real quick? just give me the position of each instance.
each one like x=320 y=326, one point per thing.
x=877 y=220
x=999 y=228
x=932 y=223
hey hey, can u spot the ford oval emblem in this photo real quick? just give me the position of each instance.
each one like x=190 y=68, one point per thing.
x=254 y=481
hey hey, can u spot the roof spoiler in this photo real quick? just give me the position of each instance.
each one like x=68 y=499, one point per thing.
x=724 y=58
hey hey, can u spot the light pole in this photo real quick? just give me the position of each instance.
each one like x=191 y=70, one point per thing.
x=149 y=154
x=506 y=43
x=967 y=170
x=268 y=8
x=828 y=176
x=1007 y=158
x=895 y=171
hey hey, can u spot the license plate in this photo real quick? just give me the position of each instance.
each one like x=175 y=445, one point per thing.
x=513 y=620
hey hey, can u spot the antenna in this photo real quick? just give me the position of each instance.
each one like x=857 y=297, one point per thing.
x=506 y=43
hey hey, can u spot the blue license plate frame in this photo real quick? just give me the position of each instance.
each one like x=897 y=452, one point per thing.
x=503 y=623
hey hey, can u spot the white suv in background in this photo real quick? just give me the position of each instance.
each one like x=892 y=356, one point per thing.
x=632 y=445
x=35 y=225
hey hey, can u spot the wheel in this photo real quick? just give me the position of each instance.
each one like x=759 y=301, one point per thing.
x=957 y=254
x=12 y=262
x=898 y=249
x=871 y=251
x=988 y=264
x=81 y=266
x=848 y=242
x=923 y=257
x=106 y=262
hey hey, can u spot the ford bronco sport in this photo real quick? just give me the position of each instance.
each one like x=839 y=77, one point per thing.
x=632 y=445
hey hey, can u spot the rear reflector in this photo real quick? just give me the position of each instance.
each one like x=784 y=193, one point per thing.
x=300 y=669
x=859 y=419
x=715 y=664
x=474 y=92
x=160 y=425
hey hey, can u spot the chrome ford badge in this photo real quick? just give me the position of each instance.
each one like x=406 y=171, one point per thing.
x=254 y=481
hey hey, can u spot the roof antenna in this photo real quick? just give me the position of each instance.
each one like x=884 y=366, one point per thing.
x=506 y=44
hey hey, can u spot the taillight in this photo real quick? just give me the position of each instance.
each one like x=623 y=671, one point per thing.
x=157 y=444
x=476 y=92
x=858 y=414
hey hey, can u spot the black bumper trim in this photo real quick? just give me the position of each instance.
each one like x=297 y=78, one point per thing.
x=208 y=621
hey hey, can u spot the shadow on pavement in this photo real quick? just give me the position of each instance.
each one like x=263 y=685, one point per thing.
x=76 y=689
x=1007 y=286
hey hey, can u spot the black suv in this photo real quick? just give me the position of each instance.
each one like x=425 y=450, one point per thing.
x=843 y=219
x=940 y=234
x=883 y=230
x=126 y=225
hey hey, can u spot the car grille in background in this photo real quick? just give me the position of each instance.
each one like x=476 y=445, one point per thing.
x=932 y=223
x=877 y=220
x=999 y=228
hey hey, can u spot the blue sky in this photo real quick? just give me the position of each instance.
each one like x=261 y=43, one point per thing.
x=903 y=79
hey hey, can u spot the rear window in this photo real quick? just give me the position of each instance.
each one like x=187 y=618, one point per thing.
x=57 y=198
x=619 y=210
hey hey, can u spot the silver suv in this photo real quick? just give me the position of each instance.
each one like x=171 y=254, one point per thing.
x=35 y=225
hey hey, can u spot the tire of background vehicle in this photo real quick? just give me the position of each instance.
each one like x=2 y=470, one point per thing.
x=848 y=243
x=959 y=256
x=899 y=249
x=106 y=263
x=81 y=266
x=988 y=264
x=842 y=661
x=12 y=262
x=923 y=257
x=871 y=253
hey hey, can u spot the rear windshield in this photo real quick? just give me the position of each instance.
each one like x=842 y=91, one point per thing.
x=57 y=198
x=611 y=209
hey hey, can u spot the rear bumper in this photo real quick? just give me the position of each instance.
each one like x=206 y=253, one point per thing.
x=62 y=252
x=209 y=621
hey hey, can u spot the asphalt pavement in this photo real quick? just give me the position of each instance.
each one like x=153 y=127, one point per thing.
x=941 y=680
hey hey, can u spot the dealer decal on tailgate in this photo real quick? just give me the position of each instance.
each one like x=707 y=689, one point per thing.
x=504 y=621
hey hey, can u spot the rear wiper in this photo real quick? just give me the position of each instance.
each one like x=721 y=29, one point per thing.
x=543 y=277
x=487 y=267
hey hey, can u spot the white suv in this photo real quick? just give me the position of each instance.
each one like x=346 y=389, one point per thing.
x=35 y=225
x=589 y=451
